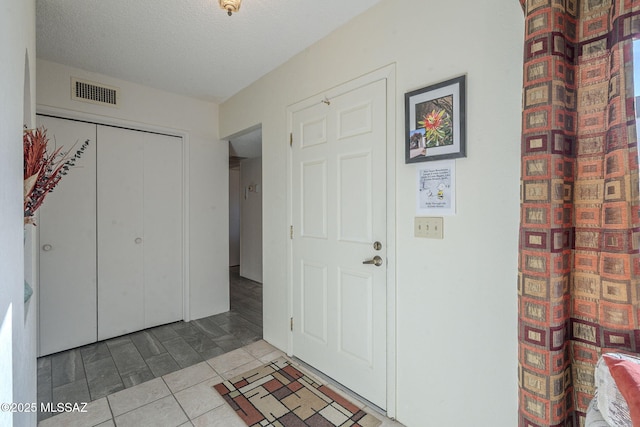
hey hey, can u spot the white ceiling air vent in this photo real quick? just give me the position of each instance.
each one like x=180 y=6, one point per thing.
x=96 y=93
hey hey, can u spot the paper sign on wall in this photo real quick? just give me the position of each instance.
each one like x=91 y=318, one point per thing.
x=436 y=189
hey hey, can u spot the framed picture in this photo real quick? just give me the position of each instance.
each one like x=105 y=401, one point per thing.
x=435 y=121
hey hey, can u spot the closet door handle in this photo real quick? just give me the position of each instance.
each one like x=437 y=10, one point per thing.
x=138 y=240
x=47 y=247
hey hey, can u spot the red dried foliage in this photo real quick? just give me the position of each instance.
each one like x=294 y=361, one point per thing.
x=48 y=167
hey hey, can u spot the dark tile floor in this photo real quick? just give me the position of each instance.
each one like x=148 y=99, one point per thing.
x=88 y=373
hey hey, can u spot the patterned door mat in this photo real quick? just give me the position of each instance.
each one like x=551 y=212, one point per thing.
x=279 y=395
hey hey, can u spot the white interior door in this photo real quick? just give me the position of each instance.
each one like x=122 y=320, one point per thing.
x=139 y=230
x=339 y=213
x=67 y=236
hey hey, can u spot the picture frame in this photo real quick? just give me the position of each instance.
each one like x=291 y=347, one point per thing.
x=435 y=121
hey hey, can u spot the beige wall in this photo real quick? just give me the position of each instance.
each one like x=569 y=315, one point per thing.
x=17 y=98
x=208 y=180
x=251 y=222
x=456 y=298
x=234 y=217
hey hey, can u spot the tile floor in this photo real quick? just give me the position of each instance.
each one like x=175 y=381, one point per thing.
x=94 y=371
x=181 y=398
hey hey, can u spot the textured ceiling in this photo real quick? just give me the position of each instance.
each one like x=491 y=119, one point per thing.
x=189 y=47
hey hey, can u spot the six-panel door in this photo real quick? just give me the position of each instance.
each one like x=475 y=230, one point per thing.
x=339 y=213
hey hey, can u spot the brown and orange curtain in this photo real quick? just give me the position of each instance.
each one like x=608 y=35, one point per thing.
x=579 y=261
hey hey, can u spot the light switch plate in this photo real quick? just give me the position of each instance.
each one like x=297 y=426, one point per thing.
x=429 y=227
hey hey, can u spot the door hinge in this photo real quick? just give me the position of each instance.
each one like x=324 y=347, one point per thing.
x=291 y=324
x=291 y=232
x=291 y=139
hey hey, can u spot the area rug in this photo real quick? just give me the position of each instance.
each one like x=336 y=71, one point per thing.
x=279 y=395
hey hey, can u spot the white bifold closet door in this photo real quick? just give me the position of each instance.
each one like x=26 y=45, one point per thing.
x=110 y=237
x=139 y=199
x=66 y=225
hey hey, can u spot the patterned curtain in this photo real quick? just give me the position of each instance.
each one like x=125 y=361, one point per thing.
x=580 y=224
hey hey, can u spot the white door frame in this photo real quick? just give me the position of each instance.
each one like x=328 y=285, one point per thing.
x=387 y=73
x=110 y=121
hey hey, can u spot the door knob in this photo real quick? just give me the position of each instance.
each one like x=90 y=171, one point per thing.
x=138 y=240
x=377 y=261
x=47 y=247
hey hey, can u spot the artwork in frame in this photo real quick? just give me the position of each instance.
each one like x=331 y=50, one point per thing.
x=435 y=121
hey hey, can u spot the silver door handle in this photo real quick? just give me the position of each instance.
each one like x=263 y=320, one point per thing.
x=47 y=247
x=138 y=240
x=377 y=261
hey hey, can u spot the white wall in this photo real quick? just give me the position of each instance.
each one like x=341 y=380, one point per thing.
x=17 y=324
x=251 y=222
x=234 y=217
x=456 y=298
x=145 y=107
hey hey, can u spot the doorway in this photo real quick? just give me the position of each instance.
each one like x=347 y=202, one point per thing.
x=245 y=224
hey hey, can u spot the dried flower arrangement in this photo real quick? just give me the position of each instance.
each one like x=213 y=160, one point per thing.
x=42 y=169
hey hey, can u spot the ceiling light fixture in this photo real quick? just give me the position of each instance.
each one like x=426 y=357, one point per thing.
x=230 y=5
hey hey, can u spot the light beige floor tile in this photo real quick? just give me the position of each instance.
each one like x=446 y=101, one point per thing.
x=134 y=397
x=200 y=398
x=187 y=377
x=163 y=412
x=271 y=356
x=150 y=403
x=222 y=416
x=242 y=369
x=228 y=361
x=386 y=422
x=96 y=412
x=259 y=348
